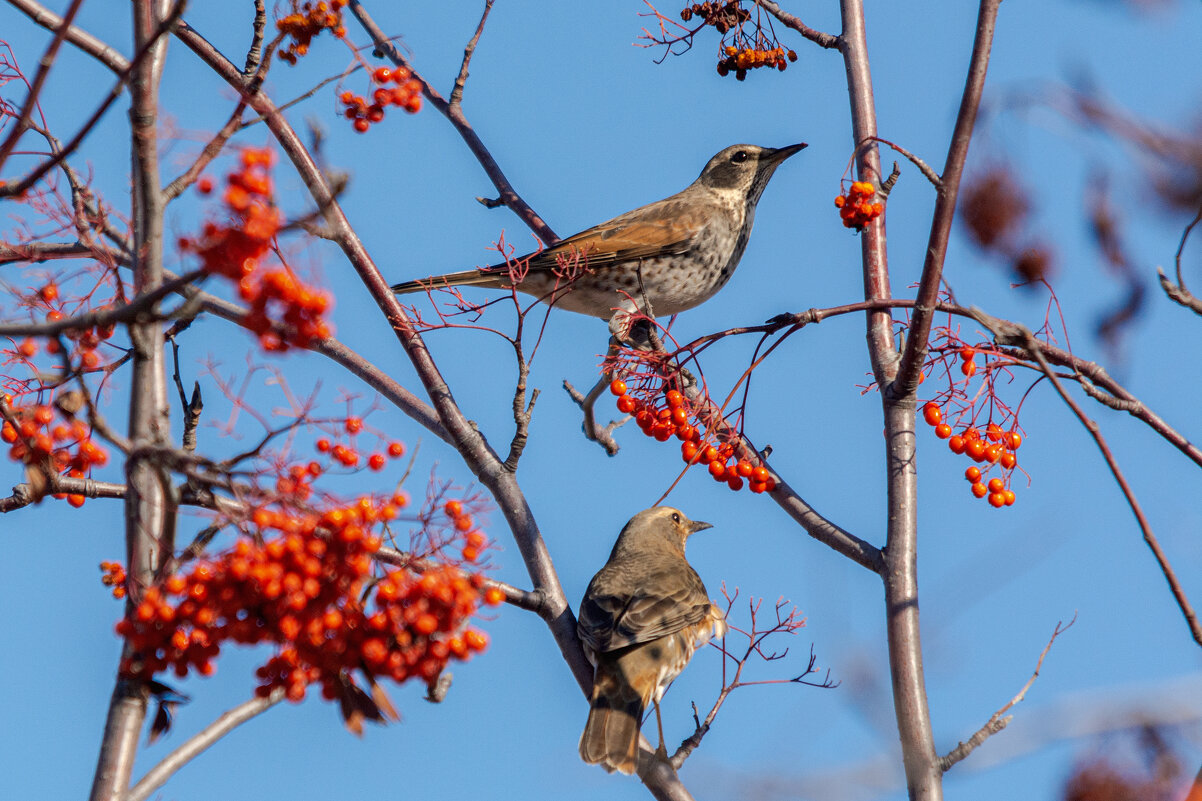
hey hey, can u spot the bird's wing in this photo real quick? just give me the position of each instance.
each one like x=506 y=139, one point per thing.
x=655 y=230
x=664 y=605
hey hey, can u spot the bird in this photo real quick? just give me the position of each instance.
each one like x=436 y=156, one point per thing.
x=659 y=259
x=643 y=615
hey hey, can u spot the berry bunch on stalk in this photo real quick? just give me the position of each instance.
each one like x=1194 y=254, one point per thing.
x=674 y=416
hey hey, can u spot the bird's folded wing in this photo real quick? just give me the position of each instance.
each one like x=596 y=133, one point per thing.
x=654 y=232
x=608 y=623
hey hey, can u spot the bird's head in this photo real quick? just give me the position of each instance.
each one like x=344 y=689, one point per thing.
x=745 y=168
x=659 y=527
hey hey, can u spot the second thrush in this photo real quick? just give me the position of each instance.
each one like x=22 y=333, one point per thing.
x=670 y=255
x=642 y=617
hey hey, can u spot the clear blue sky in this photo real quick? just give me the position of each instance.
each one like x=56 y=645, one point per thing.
x=587 y=126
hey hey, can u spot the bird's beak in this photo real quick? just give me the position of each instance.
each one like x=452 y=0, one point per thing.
x=782 y=153
x=697 y=525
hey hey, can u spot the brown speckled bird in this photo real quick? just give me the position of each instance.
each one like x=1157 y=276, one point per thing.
x=684 y=248
x=642 y=617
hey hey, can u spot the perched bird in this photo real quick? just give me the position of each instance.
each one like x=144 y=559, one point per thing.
x=642 y=617
x=672 y=254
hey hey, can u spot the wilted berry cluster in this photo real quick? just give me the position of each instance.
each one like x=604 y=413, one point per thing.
x=994 y=211
x=407 y=94
x=673 y=419
x=304 y=582
x=42 y=439
x=305 y=21
x=994 y=447
x=741 y=59
x=723 y=16
x=856 y=207
x=235 y=249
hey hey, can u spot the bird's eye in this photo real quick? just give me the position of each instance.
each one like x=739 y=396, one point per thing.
x=675 y=517
x=739 y=156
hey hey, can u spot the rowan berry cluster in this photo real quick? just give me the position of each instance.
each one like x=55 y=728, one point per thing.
x=995 y=448
x=856 y=207
x=407 y=94
x=114 y=576
x=43 y=437
x=741 y=59
x=87 y=340
x=473 y=539
x=673 y=419
x=303 y=581
x=235 y=250
x=305 y=21
x=348 y=455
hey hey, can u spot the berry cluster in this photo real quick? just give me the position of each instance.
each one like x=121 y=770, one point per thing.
x=856 y=207
x=348 y=455
x=114 y=576
x=40 y=438
x=741 y=59
x=304 y=582
x=306 y=21
x=662 y=423
x=407 y=94
x=234 y=250
x=87 y=340
x=996 y=447
x=473 y=541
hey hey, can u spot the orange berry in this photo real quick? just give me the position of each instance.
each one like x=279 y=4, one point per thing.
x=617 y=387
x=426 y=623
x=997 y=500
x=1013 y=440
x=975 y=449
x=323 y=445
x=979 y=490
x=994 y=432
x=969 y=368
x=675 y=399
x=973 y=474
x=735 y=483
x=760 y=475
x=943 y=431
x=376 y=461
x=396 y=449
x=717 y=469
x=956 y=444
x=996 y=485
x=626 y=404
x=494 y=596
x=28 y=348
x=744 y=468
x=688 y=451
x=993 y=453
x=76 y=500
x=932 y=414
x=49 y=293
x=1008 y=460
x=354 y=425
x=1009 y=497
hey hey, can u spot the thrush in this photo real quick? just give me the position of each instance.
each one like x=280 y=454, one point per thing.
x=642 y=617
x=660 y=259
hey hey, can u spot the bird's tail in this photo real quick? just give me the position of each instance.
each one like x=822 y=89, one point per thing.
x=484 y=278
x=611 y=736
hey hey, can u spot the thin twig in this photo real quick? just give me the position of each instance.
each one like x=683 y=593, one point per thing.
x=996 y=721
x=461 y=78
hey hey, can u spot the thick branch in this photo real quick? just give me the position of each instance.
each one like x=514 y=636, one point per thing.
x=85 y=41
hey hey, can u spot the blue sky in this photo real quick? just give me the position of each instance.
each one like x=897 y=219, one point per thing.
x=587 y=126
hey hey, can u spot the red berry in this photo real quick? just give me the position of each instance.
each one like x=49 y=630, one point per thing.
x=626 y=404
x=617 y=387
x=376 y=461
x=956 y=444
x=932 y=414
x=943 y=431
x=396 y=449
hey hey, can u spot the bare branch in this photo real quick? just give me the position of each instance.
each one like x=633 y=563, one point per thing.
x=461 y=80
x=85 y=41
x=157 y=776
